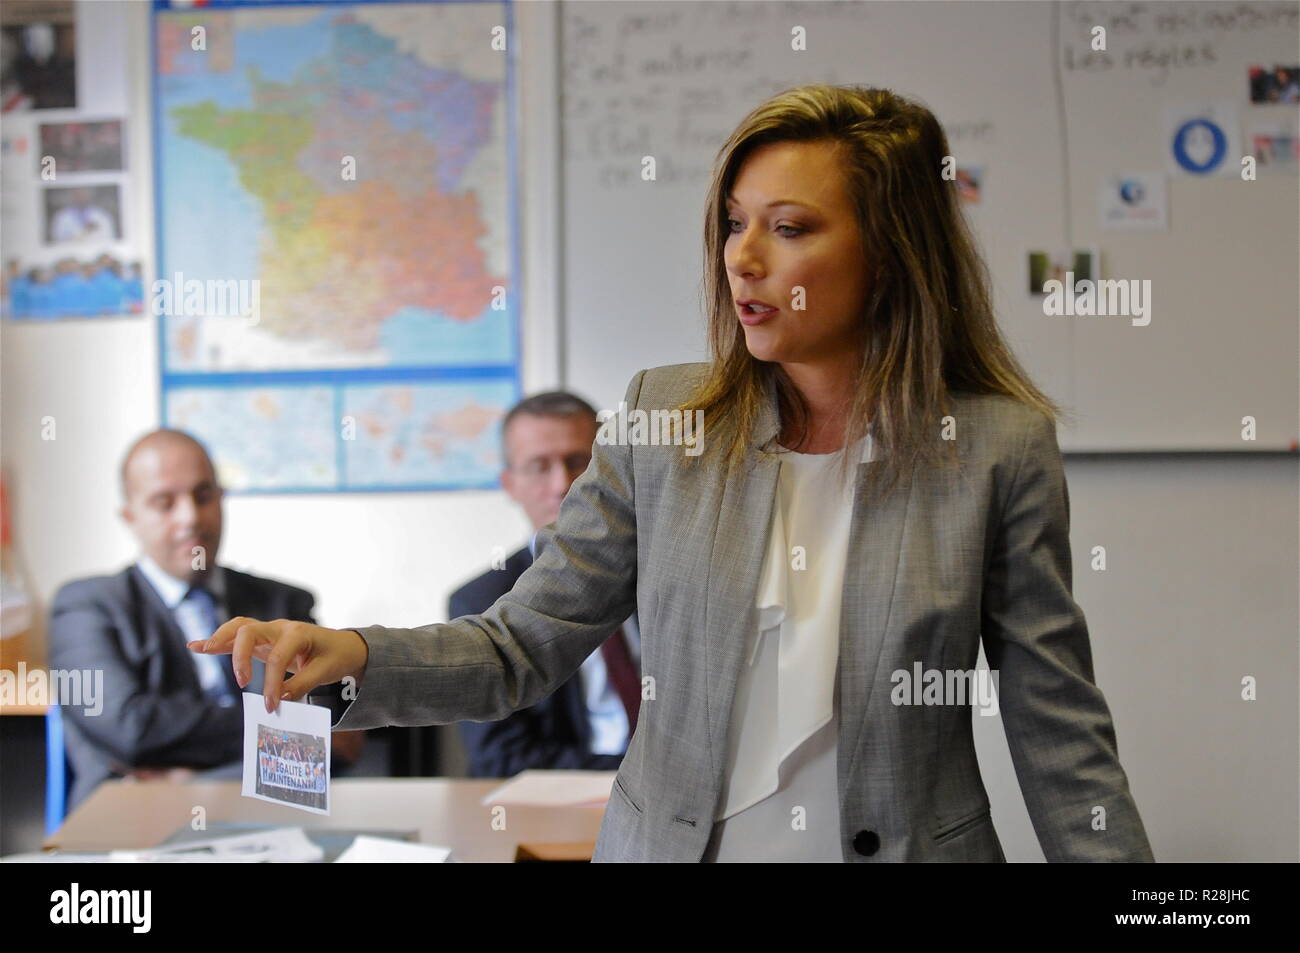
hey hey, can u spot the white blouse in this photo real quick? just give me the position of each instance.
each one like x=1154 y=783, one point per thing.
x=780 y=798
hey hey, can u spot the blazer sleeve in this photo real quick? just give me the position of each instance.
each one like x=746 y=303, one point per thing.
x=137 y=726
x=1057 y=724
x=532 y=737
x=579 y=588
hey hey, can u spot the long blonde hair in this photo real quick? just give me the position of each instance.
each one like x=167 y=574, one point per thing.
x=928 y=328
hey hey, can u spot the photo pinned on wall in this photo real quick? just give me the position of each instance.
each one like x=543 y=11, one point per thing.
x=1134 y=201
x=1274 y=85
x=1082 y=264
x=88 y=286
x=82 y=146
x=71 y=228
x=82 y=213
x=970 y=183
x=38 y=56
x=287 y=754
x=1274 y=143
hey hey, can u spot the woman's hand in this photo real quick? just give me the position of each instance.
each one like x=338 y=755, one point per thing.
x=317 y=655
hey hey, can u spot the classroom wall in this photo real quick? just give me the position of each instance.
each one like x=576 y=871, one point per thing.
x=357 y=552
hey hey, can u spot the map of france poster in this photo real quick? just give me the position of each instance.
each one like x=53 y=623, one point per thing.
x=337 y=242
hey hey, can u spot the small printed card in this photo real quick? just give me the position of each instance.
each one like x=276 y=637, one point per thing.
x=287 y=754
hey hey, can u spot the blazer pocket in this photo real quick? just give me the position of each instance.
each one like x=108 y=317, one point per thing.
x=622 y=792
x=960 y=825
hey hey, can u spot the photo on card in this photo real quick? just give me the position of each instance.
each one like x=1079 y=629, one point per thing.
x=287 y=754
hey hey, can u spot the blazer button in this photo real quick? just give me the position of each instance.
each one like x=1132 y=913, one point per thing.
x=866 y=843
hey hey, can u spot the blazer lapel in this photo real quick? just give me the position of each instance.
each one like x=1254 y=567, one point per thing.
x=870 y=576
x=736 y=561
x=739 y=543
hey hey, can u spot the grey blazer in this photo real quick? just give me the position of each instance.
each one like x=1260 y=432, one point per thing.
x=943 y=562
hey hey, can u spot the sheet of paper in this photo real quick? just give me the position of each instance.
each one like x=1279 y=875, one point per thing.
x=332 y=840
x=555 y=789
x=1134 y=200
x=287 y=754
x=281 y=845
x=381 y=850
x=55 y=857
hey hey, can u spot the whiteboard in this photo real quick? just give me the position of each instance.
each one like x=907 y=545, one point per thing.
x=1020 y=94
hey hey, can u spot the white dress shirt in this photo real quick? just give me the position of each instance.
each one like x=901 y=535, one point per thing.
x=780 y=798
x=195 y=620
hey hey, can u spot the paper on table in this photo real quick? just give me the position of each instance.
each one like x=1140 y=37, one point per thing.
x=287 y=754
x=55 y=857
x=554 y=789
x=381 y=850
x=280 y=845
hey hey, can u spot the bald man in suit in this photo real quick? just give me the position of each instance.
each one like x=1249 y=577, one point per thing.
x=166 y=711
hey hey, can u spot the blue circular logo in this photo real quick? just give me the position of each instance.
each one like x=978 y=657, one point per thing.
x=1199 y=146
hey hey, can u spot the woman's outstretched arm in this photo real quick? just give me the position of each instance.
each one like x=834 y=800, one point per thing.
x=579 y=588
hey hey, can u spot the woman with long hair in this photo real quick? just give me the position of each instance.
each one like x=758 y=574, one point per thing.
x=880 y=491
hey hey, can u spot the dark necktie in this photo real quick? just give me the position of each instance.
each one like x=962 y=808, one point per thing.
x=222 y=687
x=623 y=675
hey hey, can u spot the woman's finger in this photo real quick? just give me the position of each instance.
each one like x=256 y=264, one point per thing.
x=241 y=656
x=315 y=672
x=292 y=639
x=221 y=640
x=247 y=637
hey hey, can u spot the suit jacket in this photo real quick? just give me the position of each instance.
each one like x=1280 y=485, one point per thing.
x=555 y=732
x=155 y=713
x=946 y=560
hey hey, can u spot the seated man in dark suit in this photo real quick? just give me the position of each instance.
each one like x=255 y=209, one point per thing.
x=587 y=721
x=166 y=711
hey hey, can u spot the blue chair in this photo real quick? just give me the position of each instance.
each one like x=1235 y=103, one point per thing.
x=58 y=773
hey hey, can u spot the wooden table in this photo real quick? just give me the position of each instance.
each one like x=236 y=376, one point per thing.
x=446 y=812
